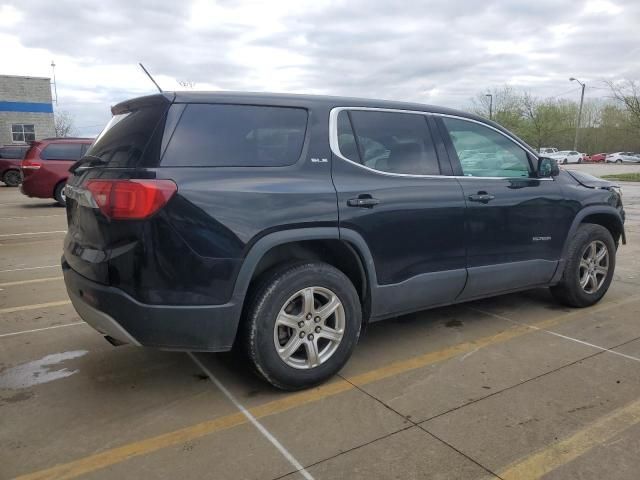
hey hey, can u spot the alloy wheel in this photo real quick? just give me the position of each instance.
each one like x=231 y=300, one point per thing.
x=594 y=266
x=309 y=327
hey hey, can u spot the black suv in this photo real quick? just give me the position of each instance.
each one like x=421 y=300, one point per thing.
x=283 y=224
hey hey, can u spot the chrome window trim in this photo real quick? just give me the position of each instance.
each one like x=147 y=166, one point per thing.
x=335 y=149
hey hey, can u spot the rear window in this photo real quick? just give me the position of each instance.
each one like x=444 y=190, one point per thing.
x=62 y=151
x=236 y=136
x=129 y=136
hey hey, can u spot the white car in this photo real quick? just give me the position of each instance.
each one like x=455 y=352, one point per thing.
x=567 y=156
x=621 y=157
x=547 y=151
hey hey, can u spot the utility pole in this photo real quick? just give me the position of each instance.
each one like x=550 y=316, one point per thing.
x=490 y=105
x=55 y=86
x=575 y=141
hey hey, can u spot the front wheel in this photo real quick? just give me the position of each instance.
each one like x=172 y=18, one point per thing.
x=591 y=260
x=619 y=161
x=302 y=324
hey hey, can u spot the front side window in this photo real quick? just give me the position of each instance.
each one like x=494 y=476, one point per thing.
x=387 y=141
x=483 y=152
x=22 y=132
x=62 y=151
x=214 y=135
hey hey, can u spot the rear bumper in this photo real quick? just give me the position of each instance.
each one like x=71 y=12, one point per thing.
x=210 y=328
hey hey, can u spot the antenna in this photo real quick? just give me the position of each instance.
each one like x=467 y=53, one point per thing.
x=150 y=77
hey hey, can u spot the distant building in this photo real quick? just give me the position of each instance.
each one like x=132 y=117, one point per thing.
x=26 y=109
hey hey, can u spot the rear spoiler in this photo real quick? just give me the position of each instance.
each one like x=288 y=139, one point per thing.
x=140 y=102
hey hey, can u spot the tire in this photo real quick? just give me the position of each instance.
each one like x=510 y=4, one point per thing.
x=570 y=291
x=291 y=287
x=619 y=161
x=564 y=162
x=12 y=178
x=58 y=194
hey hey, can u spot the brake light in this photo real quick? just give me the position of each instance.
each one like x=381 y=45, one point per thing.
x=131 y=199
x=29 y=165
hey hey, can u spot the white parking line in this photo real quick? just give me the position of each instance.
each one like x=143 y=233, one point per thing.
x=31 y=233
x=41 y=329
x=57 y=265
x=550 y=332
x=26 y=282
x=35 y=306
x=30 y=217
x=274 y=441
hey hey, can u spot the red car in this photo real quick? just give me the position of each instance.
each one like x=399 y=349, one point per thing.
x=10 y=160
x=45 y=167
x=597 y=157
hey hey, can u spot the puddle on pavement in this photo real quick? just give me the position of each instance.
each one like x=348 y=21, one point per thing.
x=38 y=371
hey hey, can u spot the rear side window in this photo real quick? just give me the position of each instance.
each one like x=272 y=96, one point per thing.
x=12 y=152
x=236 y=136
x=129 y=136
x=388 y=141
x=62 y=151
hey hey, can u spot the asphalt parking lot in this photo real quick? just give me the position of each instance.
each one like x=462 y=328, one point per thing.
x=512 y=387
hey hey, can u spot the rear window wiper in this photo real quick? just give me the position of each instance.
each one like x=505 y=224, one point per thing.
x=86 y=162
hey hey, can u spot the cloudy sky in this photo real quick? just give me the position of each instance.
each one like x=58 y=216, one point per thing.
x=440 y=52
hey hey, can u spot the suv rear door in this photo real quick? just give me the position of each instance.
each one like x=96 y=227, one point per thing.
x=393 y=192
x=516 y=222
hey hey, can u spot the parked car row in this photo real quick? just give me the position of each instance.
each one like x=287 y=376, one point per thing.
x=571 y=156
x=623 y=157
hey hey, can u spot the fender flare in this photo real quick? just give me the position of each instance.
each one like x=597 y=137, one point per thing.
x=271 y=240
x=580 y=216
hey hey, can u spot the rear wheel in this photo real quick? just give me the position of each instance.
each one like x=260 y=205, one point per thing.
x=302 y=324
x=619 y=161
x=59 y=195
x=564 y=162
x=12 y=178
x=591 y=260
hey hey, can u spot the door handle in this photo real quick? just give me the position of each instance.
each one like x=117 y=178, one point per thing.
x=363 y=201
x=482 y=197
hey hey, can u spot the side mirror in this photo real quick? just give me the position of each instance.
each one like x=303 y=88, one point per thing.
x=547 y=167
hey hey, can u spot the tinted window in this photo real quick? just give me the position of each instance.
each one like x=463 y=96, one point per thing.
x=62 y=151
x=129 y=136
x=390 y=142
x=237 y=135
x=12 y=152
x=483 y=152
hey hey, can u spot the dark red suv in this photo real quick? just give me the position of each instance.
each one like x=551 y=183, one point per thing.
x=45 y=167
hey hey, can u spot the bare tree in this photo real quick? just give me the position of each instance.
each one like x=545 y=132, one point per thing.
x=64 y=124
x=627 y=93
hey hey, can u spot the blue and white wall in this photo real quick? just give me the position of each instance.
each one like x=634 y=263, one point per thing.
x=25 y=100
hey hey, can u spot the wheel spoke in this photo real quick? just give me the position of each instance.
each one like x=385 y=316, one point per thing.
x=592 y=251
x=601 y=255
x=308 y=300
x=594 y=281
x=312 y=353
x=288 y=320
x=331 y=334
x=327 y=309
x=584 y=264
x=584 y=280
x=602 y=270
x=290 y=347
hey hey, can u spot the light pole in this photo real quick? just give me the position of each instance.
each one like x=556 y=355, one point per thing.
x=575 y=141
x=55 y=85
x=490 y=104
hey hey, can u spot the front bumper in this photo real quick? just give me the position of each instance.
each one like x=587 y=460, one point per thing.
x=210 y=328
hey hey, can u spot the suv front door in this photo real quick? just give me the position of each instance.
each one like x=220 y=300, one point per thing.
x=516 y=222
x=391 y=194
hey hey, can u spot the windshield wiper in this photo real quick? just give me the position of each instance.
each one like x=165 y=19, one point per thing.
x=87 y=162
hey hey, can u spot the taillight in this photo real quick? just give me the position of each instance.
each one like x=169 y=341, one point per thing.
x=131 y=199
x=29 y=165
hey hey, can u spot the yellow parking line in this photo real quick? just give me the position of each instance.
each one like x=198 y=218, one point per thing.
x=564 y=451
x=119 y=454
x=26 y=282
x=34 y=306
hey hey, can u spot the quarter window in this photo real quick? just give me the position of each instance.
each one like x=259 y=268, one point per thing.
x=483 y=152
x=388 y=141
x=237 y=135
x=22 y=132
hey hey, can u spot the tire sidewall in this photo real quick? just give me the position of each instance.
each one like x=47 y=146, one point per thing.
x=57 y=194
x=271 y=301
x=7 y=175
